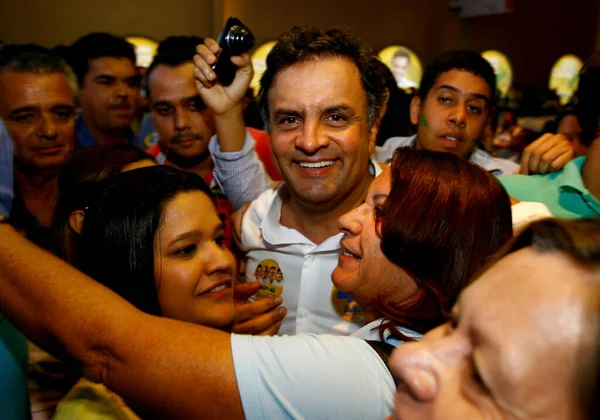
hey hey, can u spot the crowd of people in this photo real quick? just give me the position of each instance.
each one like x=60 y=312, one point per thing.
x=366 y=254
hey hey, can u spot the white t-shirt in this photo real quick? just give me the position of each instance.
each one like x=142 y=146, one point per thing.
x=311 y=376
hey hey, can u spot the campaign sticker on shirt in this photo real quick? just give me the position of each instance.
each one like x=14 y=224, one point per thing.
x=346 y=307
x=270 y=275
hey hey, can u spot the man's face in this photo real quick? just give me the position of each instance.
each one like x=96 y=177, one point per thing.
x=452 y=116
x=319 y=134
x=399 y=68
x=38 y=111
x=109 y=94
x=511 y=350
x=183 y=123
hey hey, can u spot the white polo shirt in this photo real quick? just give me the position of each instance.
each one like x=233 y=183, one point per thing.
x=314 y=305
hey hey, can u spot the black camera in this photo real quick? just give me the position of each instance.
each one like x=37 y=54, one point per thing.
x=235 y=39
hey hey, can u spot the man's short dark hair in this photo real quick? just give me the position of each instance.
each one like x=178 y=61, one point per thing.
x=33 y=58
x=588 y=95
x=97 y=45
x=173 y=52
x=401 y=53
x=304 y=43
x=464 y=60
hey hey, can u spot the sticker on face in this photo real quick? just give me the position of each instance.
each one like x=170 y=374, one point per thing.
x=270 y=275
x=346 y=307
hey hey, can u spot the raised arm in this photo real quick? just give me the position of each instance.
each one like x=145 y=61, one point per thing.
x=160 y=366
x=238 y=170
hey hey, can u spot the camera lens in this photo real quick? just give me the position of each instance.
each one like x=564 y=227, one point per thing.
x=239 y=40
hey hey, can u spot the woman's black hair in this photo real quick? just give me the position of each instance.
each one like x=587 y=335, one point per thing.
x=118 y=236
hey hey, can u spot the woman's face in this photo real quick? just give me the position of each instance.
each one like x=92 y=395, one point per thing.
x=363 y=271
x=194 y=271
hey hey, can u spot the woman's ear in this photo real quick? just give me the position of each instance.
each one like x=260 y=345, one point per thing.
x=76 y=220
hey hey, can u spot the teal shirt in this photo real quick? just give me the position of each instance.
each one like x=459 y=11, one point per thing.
x=14 y=400
x=562 y=192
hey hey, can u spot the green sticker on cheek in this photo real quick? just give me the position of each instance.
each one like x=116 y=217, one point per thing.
x=424 y=122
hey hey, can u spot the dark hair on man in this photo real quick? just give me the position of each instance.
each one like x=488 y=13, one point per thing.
x=465 y=60
x=173 y=52
x=118 y=236
x=33 y=58
x=97 y=45
x=401 y=53
x=588 y=105
x=304 y=43
x=179 y=42
x=579 y=240
x=80 y=183
x=430 y=193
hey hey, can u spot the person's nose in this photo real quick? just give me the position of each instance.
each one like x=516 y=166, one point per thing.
x=458 y=115
x=412 y=364
x=47 y=127
x=219 y=260
x=181 y=120
x=312 y=138
x=349 y=224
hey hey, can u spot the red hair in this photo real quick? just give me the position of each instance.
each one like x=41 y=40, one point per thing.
x=444 y=217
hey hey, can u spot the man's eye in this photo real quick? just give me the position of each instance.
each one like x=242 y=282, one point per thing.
x=106 y=82
x=288 y=121
x=444 y=100
x=220 y=240
x=163 y=110
x=186 y=251
x=63 y=115
x=475 y=109
x=24 y=118
x=336 y=119
x=134 y=83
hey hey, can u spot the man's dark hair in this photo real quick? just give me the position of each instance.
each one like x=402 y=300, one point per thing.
x=33 y=58
x=465 y=60
x=401 y=53
x=304 y=43
x=173 y=52
x=588 y=105
x=97 y=45
x=116 y=246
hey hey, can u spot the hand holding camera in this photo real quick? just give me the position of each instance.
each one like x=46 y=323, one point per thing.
x=223 y=68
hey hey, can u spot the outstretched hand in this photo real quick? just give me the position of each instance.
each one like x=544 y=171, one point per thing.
x=220 y=99
x=262 y=317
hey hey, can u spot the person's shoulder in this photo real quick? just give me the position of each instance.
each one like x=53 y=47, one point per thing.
x=495 y=165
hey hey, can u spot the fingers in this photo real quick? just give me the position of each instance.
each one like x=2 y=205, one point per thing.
x=203 y=73
x=243 y=291
x=549 y=153
x=260 y=317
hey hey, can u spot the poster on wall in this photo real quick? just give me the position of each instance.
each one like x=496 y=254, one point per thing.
x=145 y=49
x=502 y=69
x=404 y=64
x=259 y=62
x=564 y=77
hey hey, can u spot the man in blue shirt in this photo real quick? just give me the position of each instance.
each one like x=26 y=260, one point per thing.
x=109 y=89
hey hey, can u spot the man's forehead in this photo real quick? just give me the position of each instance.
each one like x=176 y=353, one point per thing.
x=323 y=75
x=464 y=82
x=167 y=80
x=524 y=283
x=18 y=89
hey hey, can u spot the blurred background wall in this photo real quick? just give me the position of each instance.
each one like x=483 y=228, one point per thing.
x=533 y=36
